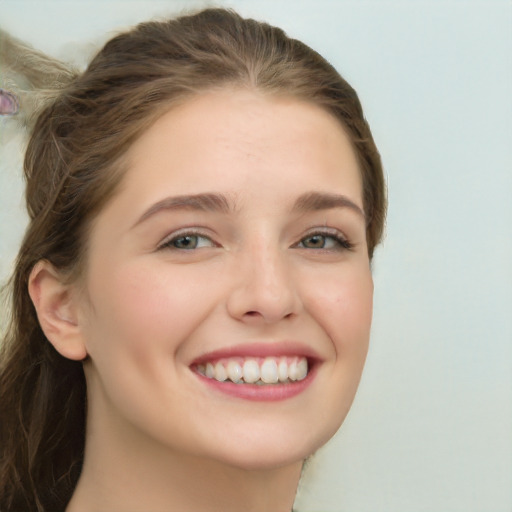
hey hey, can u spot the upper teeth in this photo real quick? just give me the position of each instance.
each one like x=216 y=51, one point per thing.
x=270 y=370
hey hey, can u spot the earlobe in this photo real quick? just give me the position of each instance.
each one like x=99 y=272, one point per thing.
x=57 y=310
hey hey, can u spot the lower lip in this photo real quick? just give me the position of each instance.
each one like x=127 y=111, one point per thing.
x=263 y=393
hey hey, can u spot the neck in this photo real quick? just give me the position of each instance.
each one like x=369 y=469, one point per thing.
x=184 y=486
x=124 y=473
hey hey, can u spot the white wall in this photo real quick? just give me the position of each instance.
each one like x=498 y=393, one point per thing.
x=431 y=428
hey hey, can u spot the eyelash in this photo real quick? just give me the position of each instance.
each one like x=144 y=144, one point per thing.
x=168 y=244
x=341 y=242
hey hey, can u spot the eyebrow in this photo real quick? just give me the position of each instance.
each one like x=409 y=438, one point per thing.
x=203 y=202
x=212 y=202
x=312 y=201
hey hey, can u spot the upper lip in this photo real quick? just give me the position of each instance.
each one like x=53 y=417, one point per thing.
x=260 y=349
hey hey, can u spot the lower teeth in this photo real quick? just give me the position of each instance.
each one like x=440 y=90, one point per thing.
x=257 y=383
x=261 y=383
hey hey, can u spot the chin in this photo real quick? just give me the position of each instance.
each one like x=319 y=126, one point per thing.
x=266 y=450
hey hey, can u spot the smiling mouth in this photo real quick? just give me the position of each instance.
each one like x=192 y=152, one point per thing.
x=253 y=370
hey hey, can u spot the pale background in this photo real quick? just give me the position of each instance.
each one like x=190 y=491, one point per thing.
x=431 y=428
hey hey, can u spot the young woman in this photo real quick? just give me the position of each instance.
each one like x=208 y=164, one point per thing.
x=192 y=301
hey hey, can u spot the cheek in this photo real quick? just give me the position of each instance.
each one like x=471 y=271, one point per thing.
x=126 y=303
x=145 y=308
x=343 y=306
x=130 y=315
x=139 y=321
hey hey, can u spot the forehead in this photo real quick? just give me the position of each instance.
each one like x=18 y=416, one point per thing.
x=241 y=141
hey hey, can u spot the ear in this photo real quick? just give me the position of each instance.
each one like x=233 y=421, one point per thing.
x=57 y=309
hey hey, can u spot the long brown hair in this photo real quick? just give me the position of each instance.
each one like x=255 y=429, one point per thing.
x=72 y=166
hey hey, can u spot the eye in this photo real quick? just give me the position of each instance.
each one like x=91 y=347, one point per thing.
x=187 y=242
x=324 y=241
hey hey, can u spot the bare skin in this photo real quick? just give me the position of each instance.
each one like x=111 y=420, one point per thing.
x=177 y=483
x=238 y=230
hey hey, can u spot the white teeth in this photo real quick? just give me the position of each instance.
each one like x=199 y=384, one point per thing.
x=234 y=371
x=220 y=372
x=302 y=369
x=269 y=371
x=293 y=371
x=282 y=370
x=251 y=371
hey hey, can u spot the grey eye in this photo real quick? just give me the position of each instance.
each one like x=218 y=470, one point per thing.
x=315 y=242
x=188 y=242
x=324 y=241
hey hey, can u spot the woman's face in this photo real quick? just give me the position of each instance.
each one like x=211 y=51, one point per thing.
x=235 y=247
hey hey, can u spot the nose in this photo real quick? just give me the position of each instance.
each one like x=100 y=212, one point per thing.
x=264 y=289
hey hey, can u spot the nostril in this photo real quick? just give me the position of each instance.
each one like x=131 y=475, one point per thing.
x=255 y=302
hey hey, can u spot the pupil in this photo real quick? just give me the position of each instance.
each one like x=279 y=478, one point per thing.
x=186 y=242
x=315 y=241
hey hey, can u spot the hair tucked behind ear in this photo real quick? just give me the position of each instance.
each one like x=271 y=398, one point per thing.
x=29 y=79
x=73 y=165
